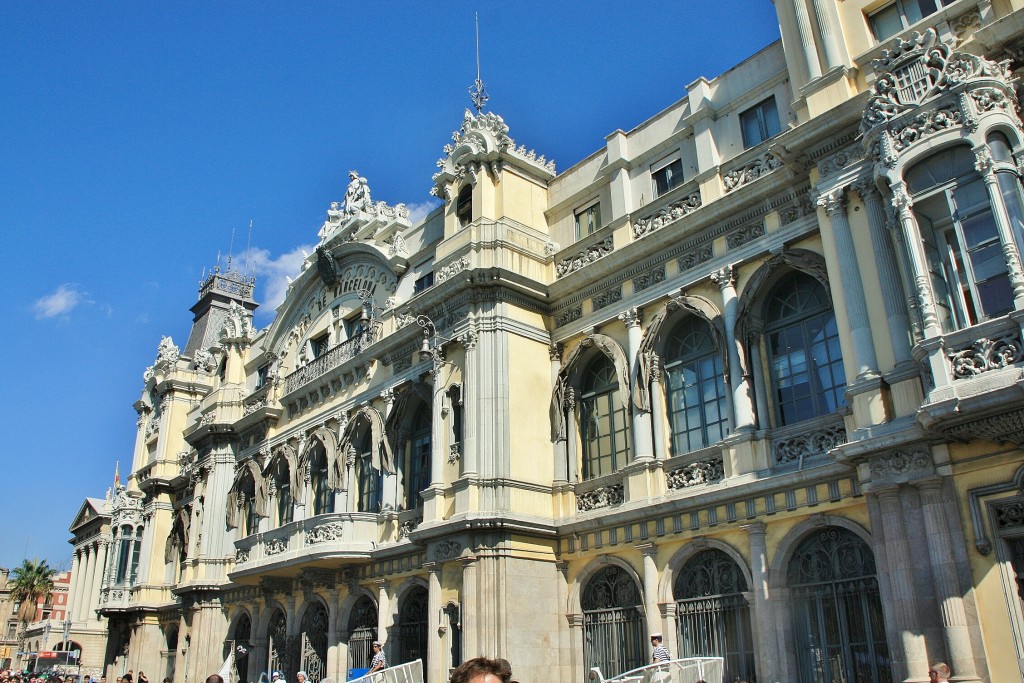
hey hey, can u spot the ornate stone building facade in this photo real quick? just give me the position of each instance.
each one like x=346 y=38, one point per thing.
x=749 y=375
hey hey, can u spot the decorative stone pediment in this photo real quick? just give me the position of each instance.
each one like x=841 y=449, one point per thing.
x=483 y=143
x=925 y=87
x=237 y=327
x=125 y=507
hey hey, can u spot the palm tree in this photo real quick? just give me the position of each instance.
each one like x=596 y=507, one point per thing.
x=30 y=582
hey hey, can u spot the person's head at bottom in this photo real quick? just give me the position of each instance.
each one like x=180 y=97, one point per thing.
x=483 y=670
x=214 y=678
x=939 y=671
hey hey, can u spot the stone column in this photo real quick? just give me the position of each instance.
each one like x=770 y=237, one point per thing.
x=834 y=203
x=918 y=260
x=743 y=409
x=829 y=37
x=94 y=570
x=803 y=27
x=383 y=614
x=331 y=664
x=471 y=410
x=912 y=657
x=579 y=664
x=765 y=643
x=75 y=589
x=571 y=435
x=650 y=579
x=470 y=607
x=643 y=444
x=389 y=482
x=661 y=450
x=438 y=447
x=760 y=382
x=984 y=164
x=435 y=651
x=561 y=469
x=947 y=585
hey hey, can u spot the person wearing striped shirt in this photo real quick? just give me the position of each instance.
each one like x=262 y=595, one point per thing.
x=660 y=654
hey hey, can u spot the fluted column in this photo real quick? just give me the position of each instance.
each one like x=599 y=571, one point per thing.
x=470 y=607
x=742 y=405
x=643 y=443
x=834 y=203
x=947 y=586
x=93 y=574
x=650 y=579
x=803 y=27
x=912 y=657
x=74 y=590
x=918 y=260
x=764 y=626
x=571 y=434
x=471 y=410
x=435 y=653
x=984 y=164
x=389 y=482
x=829 y=37
x=661 y=450
x=888 y=271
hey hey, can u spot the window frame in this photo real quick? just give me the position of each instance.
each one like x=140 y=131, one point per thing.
x=673 y=179
x=901 y=13
x=587 y=210
x=764 y=128
x=616 y=458
x=687 y=358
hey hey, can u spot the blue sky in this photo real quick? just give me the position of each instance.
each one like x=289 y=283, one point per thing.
x=135 y=137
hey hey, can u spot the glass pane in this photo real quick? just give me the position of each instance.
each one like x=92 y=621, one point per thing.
x=885 y=23
x=996 y=295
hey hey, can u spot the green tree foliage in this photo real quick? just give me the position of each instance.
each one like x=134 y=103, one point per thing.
x=30 y=582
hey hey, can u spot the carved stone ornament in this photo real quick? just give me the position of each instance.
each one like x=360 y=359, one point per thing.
x=326 y=267
x=275 y=546
x=747 y=233
x=986 y=354
x=812 y=443
x=1009 y=516
x=649 y=279
x=454 y=453
x=607 y=298
x=447 y=550
x=451 y=270
x=696 y=473
x=1006 y=427
x=237 y=326
x=407 y=527
x=696 y=257
x=241 y=555
x=325 y=533
x=605 y=496
x=167 y=353
x=898 y=463
x=751 y=171
x=125 y=508
x=203 y=361
x=274 y=585
x=668 y=214
x=585 y=257
x=569 y=315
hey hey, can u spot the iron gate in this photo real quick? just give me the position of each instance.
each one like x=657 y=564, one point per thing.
x=613 y=623
x=314 y=642
x=362 y=626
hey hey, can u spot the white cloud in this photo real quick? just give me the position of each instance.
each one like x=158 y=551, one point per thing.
x=61 y=302
x=272 y=274
x=418 y=212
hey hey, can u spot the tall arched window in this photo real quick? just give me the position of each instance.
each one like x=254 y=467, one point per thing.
x=323 y=495
x=464 y=206
x=370 y=480
x=133 y=569
x=362 y=627
x=713 y=615
x=416 y=469
x=412 y=626
x=695 y=379
x=803 y=350
x=248 y=492
x=241 y=639
x=965 y=258
x=613 y=623
x=124 y=553
x=837 y=613
x=283 y=483
x=603 y=420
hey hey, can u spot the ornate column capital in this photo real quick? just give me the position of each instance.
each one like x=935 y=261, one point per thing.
x=724 y=277
x=388 y=395
x=900 y=199
x=555 y=352
x=984 y=163
x=468 y=340
x=755 y=528
x=865 y=187
x=632 y=316
x=833 y=201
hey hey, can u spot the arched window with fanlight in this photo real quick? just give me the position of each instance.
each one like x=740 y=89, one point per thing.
x=416 y=466
x=695 y=386
x=613 y=622
x=838 y=625
x=804 y=354
x=713 y=614
x=369 y=480
x=603 y=419
x=362 y=628
x=413 y=621
x=323 y=495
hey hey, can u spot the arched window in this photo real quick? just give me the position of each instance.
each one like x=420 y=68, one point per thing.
x=613 y=623
x=133 y=570
x=323 y=495
x=169 y=656
x=416 y=468
x=248 y=492
x=412 y=626
x=464 y=206
x=370 y=480
x=283 y=484
x=603 y=420
x=241 y=643
x=362 y=627
x=961 y=241
x=803 y=350
x=713 y=615
x=695 y=379
x=124 y=552
x=314 y=641
x=837 y=613
x=277 y=644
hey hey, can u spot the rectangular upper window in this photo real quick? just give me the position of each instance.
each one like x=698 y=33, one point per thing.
x=588 y=220
x=262 y=374
x=759 y=123
x=666 y=174
x=318 y=345
x=422 y=282
x=901 y=14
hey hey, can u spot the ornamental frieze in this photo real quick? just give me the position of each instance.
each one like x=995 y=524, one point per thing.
x=986 y=354
x=605 y=496
x=696 y=257
x=696 y=473
x=751 y=171
x=748 y=233
x=451 y=270
x=649 y=279
x=607 y=298
x=669 y=214
x=569 y=315
x=899 y=463
x=585 y=257
x=275 y=546
x=447 y=550
x=815 y=442
x=325 y=533
x=1010 y=516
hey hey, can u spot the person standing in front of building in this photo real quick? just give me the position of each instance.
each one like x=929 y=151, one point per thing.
x=660 y=654
x=378 y=663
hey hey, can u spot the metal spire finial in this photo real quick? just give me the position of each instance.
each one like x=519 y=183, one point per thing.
x=477 y=91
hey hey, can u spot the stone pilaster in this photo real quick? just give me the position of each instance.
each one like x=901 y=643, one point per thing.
x=650 y=579
x=743 y=408
x=765 y=643
x=643 y=443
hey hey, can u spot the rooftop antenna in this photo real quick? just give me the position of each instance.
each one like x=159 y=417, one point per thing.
x=231 y=249
x=477 y=91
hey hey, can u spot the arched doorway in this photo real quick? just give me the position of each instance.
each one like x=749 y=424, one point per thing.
x=838 y=627
x=241 y=643
x=277 y=644
x=314 y=641
x=713 y=615
x=362 y=628
x=613 y=623
x=412 y=627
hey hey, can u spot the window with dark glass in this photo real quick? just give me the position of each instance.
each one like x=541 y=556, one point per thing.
x=133 y=572
x=423 y=282
x=370 y=480
x=968 y=272
x=284 y=499
x=588 y=220
x=603 y=420
x=261 y=376
x=695 y=379
x=252 y=520
x=1008 y=176
x=124 y=551
x=759 y=123
x=806 y=361
x=323 y=495
x=901 y=14
x=318 y=345
x=464 y=206
x=667 y=176
x=417 y=466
